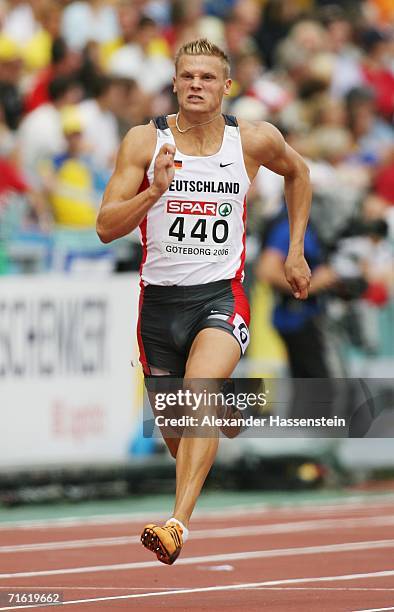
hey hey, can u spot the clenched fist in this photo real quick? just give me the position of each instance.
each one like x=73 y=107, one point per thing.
x=164 y=169
x=298 y=275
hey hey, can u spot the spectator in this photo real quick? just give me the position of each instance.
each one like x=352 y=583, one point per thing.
x=129 y=20
x=40 y=135
x=20 y=22
x=339 y=182
x=384 y=180
x=185 y=18
x=99 y=120
x=84 y=21
x=248 y=12
x=64 y=62
x=278 y=18
x=10 y=75
x=7 y=137
x=91 y=68
x=134 y=60
x=134 y=107
x=347 y=57
x=308 y=36
x=300 y=324
x=376 y=71
x=31 y=205
x=73 y=184
x=377 y=261
x=37 y=50
x=237 y=38
x=373 y=135
x=246 y=71
x=330 y=112
x=250 y=80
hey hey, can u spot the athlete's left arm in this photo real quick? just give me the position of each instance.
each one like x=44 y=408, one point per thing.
x=268 y=148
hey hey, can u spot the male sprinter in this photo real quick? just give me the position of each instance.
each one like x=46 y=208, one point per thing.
x=183 y=180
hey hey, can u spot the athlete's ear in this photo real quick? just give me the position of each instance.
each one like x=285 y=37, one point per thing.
x=227 y=87
x=173 y=84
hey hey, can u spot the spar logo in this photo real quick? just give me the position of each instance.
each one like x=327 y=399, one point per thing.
x=225 y=209
x=191 y=207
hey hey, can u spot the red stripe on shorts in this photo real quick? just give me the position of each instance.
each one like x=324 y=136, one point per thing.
x=143 y=359
x=240 y=272
x=241 y=304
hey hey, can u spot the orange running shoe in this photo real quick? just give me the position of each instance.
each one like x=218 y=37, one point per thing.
x=166 y=542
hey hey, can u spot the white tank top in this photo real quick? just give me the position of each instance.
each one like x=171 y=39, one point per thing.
x=195 y=232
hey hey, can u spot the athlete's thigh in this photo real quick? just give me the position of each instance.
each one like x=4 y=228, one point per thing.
x=213 y=354
x=156 y=340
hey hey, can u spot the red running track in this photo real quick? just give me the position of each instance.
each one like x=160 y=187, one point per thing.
x=333 y=558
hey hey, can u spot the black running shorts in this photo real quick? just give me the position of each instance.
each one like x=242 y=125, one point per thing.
x=170 y=317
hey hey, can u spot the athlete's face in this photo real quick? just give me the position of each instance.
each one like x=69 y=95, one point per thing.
x=200 y=83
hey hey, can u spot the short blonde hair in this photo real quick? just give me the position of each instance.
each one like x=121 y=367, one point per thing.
x=202 y=46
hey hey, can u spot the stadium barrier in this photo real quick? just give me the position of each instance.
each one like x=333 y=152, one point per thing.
x=68 y=393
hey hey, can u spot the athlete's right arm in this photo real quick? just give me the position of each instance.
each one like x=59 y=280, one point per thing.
x=123 y=208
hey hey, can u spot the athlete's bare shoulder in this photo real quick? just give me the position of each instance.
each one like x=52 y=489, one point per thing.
x=261 y=141
x=133 y=159
x=138 y=146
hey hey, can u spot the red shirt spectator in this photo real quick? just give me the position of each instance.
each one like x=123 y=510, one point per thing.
x=39 y=94
x=64 y=62
x=384 y=183
x=382 y=82
x=11 y=179
x=376 y=44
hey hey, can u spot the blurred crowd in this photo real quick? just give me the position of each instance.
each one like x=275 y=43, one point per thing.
x=76 y=75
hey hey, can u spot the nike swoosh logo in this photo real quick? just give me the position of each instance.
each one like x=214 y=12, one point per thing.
x=224 y=165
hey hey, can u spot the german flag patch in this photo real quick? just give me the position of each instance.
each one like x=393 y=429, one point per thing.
x=177 y=163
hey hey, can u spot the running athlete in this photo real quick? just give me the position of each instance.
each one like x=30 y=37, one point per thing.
x=183 y=180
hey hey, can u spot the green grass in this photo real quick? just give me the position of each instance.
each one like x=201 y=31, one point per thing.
x=210 y=500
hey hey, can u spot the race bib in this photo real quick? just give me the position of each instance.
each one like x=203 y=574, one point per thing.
x=195 y=230
x=241 y=332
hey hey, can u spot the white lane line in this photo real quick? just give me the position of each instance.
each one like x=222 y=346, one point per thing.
x=82 y=588
x=228 y=587
x=240 y=556
x=25 y=588
x=226 y=532
x=374 y=610
x=351 y=503
x=286 y=588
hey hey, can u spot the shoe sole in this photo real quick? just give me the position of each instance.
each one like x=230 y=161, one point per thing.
x=152 y=542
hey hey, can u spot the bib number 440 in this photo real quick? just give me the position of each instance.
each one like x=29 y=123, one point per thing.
x=199 y=230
